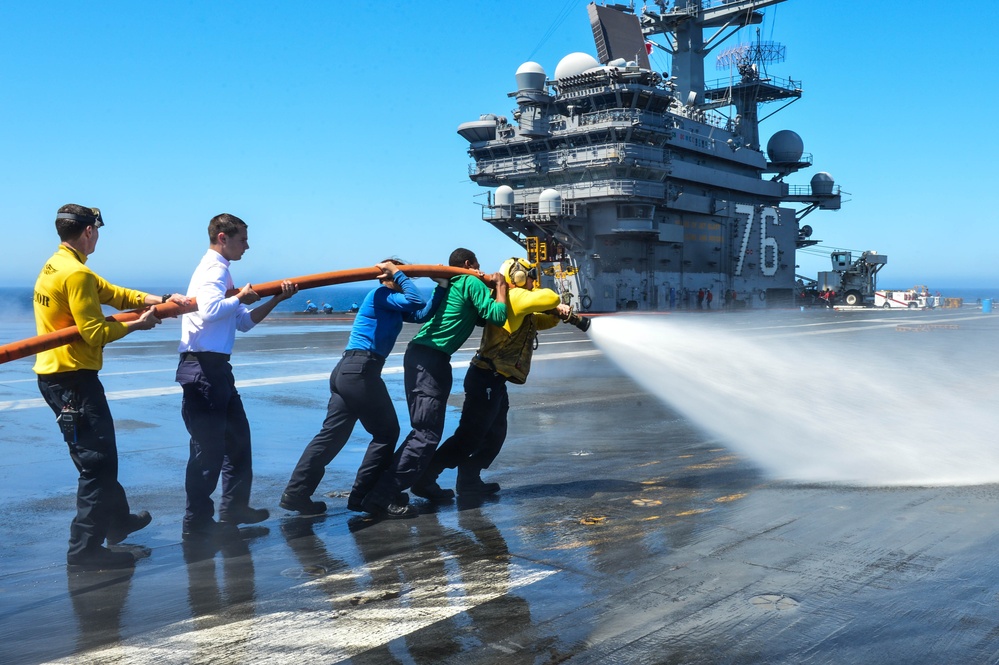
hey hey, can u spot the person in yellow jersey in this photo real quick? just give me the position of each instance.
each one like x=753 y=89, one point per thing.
x=68 y=293
x=504 y=355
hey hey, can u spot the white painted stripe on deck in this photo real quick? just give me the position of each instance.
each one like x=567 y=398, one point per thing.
x=323 y=628
x=162 y=391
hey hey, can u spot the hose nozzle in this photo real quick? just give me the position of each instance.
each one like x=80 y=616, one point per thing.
x=578 y=321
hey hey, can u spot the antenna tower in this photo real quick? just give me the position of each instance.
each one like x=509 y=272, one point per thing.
x=751 y=59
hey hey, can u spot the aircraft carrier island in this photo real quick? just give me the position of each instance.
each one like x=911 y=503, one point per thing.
x=636 y=189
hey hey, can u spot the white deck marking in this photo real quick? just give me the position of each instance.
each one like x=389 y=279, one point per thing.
x=328 y=625
x=162 y=391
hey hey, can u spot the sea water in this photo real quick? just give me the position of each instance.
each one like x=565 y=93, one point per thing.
x=16 y=301
x=816 y=401
x=17 y=316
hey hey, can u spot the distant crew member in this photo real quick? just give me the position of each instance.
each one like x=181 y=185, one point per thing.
x=357 y=391
x=68 y=293
x=428 y=379
x=211 y=407
x=504 y=355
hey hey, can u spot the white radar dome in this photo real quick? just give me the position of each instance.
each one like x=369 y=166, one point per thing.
x=504 y=195
x=550 y=202
x=785 y=146
x=575 y=64
x=822 y=183
x=504 y=202
x=530 y=76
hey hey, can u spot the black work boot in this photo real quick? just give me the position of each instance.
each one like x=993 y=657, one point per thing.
x=469 y=482
x=245 y=515
x=99 y=559
x=427 y=488
x=392 y=510
x=132 y=523
x=431 y=491
x=302 y=504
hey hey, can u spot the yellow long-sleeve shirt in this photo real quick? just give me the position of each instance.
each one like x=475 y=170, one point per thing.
x=69 y=293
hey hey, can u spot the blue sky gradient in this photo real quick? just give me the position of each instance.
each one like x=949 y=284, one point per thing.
x=330 y=128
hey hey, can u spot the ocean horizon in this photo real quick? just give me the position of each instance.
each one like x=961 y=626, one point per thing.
x=16 y=302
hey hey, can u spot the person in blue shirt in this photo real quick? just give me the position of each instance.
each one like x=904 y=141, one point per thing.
x=357 y=391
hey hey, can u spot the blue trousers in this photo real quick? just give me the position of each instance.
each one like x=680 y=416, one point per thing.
x=428 y=383
x=357 y=392
x=100 y=498
x=482 y=428
x=220 y=437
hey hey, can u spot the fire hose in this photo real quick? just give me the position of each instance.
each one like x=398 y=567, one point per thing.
x=57 y=338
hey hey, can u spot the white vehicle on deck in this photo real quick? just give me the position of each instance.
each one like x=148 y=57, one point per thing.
x=902 y=299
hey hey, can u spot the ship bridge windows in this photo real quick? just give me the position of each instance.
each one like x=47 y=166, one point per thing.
x=635 y=99
x=610 y=100
x=635 y=211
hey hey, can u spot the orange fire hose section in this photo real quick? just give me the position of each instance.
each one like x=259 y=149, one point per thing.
x=52 y=340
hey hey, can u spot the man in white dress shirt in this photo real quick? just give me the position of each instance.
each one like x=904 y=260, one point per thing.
x=212 y=408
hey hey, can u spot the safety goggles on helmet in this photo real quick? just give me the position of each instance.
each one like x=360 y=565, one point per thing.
x=95 y=221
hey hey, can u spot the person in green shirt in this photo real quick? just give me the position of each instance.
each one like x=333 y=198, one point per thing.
x=428 y=379
x=504 y=356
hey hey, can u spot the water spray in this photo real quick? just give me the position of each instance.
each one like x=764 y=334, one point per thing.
x=822 y=405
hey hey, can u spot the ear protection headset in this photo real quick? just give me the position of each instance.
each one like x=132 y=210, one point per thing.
x=519 y=272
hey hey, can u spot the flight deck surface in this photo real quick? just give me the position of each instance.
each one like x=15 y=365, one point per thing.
x=622 y=534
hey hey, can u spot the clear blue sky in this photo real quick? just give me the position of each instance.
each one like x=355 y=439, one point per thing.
x=330 y=128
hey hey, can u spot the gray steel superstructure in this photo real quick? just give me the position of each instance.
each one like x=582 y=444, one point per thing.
x=643 y=189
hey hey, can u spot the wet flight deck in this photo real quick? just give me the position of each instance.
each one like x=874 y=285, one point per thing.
x=622 y=534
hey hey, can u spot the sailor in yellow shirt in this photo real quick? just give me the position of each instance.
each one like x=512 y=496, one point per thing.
x=504 y=355
x=68 y=293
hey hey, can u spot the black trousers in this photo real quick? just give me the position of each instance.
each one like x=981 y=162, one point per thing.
x=482 y=428
x=357 y=392
x=220 y=437
x=428 y=383
x=100 y=498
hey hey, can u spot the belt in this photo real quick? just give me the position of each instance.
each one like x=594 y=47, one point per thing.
x=208 y=355
x=70 y=373
x=491 y=365
x=361 y=352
